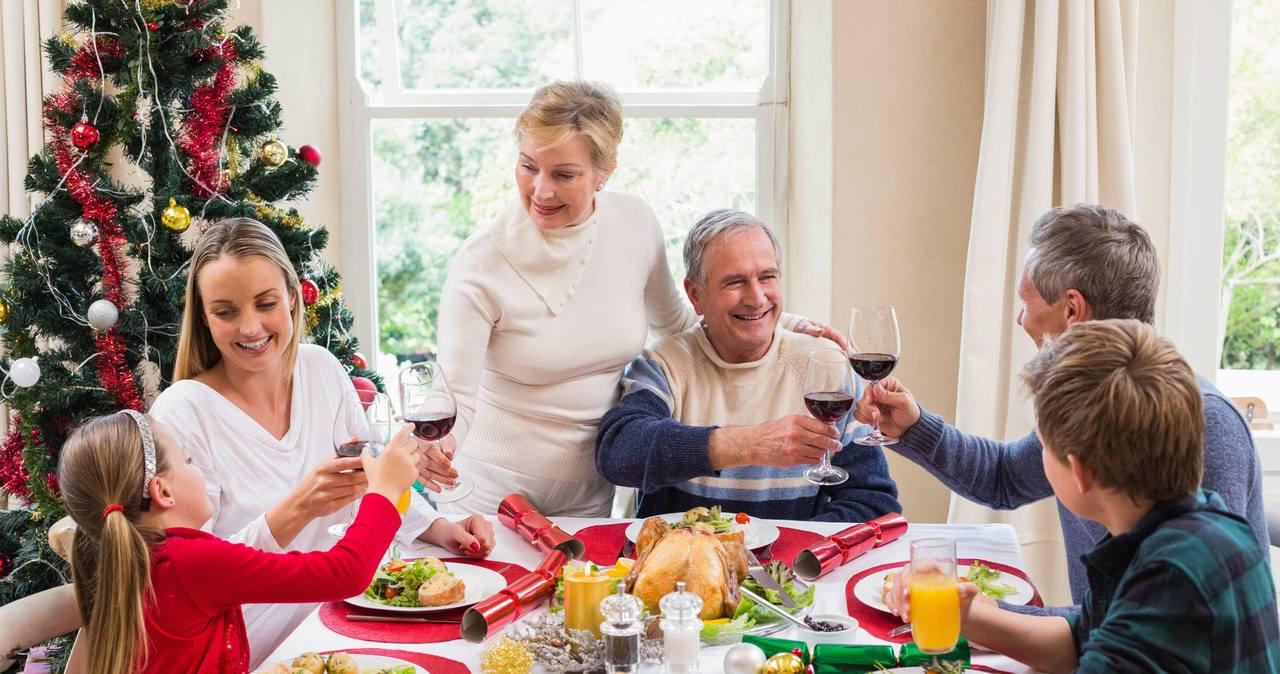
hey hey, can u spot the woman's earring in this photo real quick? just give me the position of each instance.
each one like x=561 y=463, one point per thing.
x=599 y=187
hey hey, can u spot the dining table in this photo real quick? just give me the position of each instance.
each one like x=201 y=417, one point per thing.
x=990 y=542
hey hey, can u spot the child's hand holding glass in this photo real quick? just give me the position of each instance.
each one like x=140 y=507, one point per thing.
x=393 y=471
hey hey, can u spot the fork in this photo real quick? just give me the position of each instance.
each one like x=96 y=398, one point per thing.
x=902 y=629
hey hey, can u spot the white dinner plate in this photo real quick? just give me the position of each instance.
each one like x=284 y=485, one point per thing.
x=756 y=535
x=868 y=590
x=370 y=662
x=479 y=581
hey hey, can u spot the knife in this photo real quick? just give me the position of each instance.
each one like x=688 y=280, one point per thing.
x=756 y=571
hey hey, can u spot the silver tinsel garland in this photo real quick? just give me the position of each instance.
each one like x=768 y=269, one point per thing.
x=551 y=646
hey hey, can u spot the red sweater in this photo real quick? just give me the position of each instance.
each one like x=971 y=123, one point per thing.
x=194 y=622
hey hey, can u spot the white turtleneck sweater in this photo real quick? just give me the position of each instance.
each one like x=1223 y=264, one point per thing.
x=536 y=326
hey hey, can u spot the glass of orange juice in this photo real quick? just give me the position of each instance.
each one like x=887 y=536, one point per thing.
x=935 y=600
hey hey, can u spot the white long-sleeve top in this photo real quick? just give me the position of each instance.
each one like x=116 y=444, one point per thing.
x=247 y=471
x=536 y=327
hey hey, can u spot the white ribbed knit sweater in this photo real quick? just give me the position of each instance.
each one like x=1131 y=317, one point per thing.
x=536 y=326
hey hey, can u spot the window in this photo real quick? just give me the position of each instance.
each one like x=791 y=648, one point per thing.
x=434 y=87
x=1251 y=255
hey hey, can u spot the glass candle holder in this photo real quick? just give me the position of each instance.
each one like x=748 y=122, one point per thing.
x=583 y=591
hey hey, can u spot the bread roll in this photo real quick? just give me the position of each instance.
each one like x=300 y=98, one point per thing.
x=732 y=536
x=441 y=589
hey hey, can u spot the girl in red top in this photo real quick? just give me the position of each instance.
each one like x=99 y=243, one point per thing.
x=159 y=595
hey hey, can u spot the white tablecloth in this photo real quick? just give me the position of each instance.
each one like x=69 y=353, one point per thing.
x=994 y=542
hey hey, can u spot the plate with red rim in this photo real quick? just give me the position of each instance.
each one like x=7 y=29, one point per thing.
x=479 y=583
x=756 y=533
x=367 y=663
x=869 y=589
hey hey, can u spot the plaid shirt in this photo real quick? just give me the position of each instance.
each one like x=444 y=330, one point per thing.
x=1187 y=589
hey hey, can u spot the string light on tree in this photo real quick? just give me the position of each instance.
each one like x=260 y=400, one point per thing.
x=274 y=152
x=25 y=372
x=102 y=314
x=84 y=233
x=176 y=216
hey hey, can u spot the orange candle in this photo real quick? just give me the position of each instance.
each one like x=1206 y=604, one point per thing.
x=583 y=591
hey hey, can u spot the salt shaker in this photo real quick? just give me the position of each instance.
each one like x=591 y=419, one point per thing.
x=621 y=628
x=680 y=628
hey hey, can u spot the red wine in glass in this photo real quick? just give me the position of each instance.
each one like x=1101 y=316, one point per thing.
x=431 y=426
x=828 y=407
x=873 y=366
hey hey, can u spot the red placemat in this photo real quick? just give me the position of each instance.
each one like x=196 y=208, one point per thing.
x=334 y=615
x=878 y=623
x=603 y=542
x=432 y=663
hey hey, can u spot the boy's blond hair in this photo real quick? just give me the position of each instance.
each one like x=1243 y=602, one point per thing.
x=1124 y=402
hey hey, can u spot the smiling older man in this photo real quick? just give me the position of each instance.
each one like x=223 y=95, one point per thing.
x=715 y=415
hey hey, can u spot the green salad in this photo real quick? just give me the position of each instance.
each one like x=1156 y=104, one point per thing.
x=986 y=579
x=749 y=615
x=396 y=583
x=712 y=517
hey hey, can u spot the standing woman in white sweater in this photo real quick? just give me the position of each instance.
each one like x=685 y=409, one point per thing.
x=545 y=306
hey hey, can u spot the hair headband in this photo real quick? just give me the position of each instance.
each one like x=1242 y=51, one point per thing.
x=148 y=455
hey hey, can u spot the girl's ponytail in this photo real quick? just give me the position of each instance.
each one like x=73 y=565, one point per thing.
x=102 y=474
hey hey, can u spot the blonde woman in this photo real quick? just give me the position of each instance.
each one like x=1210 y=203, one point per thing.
x=545 y=305
x=255 y=410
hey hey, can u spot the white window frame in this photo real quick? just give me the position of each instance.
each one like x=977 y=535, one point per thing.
x=357 y=108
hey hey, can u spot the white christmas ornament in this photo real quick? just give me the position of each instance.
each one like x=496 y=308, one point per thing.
x=103 y=314
x=25 y=372
x=744 y=659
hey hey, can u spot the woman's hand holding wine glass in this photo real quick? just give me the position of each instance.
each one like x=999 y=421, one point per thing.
x=364 y=423
x=428 y=403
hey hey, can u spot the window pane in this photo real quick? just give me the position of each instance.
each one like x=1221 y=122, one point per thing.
x=1251 y=271
x=709 y=45
x=436 y=181
x=686 y=167
x=476 y=44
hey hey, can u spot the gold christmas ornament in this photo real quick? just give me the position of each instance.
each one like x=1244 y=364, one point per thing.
x=784 y=663
x=4 y=311
x=505 y=656
x=176 y=217
x=274 y=152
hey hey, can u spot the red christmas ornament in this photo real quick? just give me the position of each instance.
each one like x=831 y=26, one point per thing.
x=358 y=360
x=6 y=565
x=310 y=291
x=153 y=26
x=367 y=390
x=84 y=136
x=310 y=154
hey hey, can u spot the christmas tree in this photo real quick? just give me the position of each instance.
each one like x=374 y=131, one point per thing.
x=163 y=121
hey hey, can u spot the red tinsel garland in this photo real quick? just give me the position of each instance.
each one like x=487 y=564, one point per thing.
x=85 y=63
x=13 y=472
x=202 y=134
x=113 y=373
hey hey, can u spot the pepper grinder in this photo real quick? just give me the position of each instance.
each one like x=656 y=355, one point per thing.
x=621 y=628
x=680 y=628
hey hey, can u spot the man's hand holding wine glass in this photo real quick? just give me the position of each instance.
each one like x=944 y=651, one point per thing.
x=890 y=403
x=793 y=440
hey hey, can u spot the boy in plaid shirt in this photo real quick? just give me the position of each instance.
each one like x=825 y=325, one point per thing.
x=1180 y=583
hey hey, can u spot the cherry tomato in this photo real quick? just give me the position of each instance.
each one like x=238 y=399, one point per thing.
x=391 y=593
x=741 y=518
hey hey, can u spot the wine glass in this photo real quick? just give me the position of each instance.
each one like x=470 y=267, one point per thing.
x=373 y=419
x=828 y=393
x=873 y=352
x=428 y=404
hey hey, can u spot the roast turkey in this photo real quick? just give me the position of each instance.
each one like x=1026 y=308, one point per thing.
x=710 y=568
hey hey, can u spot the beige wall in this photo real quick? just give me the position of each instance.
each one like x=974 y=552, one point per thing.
x=892 y=143
x=300 y=41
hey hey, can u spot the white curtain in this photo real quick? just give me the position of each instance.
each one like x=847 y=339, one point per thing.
x=24 y=80
x=1058 y=129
